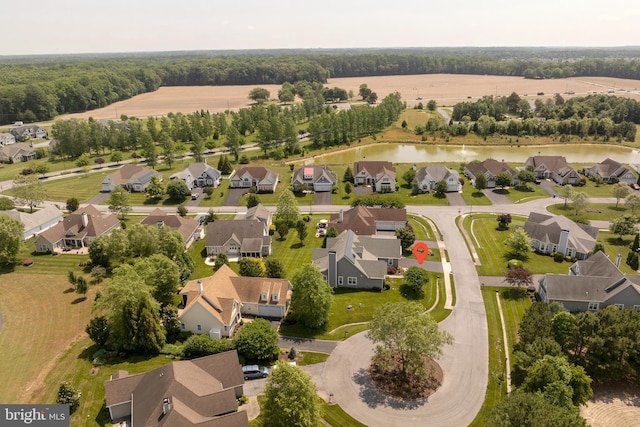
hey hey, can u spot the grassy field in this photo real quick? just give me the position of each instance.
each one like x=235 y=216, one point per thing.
x=513 y=309
x=594 y=211
x=489 y=244
x=41 y=319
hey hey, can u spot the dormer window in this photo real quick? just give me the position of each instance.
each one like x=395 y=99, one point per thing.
x=275 y=297
x=264 y=297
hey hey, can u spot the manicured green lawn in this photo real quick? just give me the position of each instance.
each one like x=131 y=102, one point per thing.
x=489 y=244
x=592 y=189
x=82 y=186
x=614 y=246
x=421 y=227
x=519 y=196
x=513 y=309
x=593 y=211
x=311 y=358
x=472 y=196
x=335 y=416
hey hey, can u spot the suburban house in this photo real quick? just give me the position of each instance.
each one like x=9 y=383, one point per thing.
x=556 y=233
x=198 y=392
x=36 y=222
x=428 y=176
x=354 y=261
x=238 y=238
x=553 y=167
x=189 y=228
x=380 y=175
x=16 y=153
x=198 y=175
x=132 y=177
x=214 y=304
x=490 y=168
x=592 y=284
x=260 y=213
x=77 y=230
x=7 y=138
x=265 y=180
x=611 y=171
x=22 y=133
x=315 y=178
x=365 y=221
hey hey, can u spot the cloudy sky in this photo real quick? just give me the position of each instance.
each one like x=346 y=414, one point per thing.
x=81 y=26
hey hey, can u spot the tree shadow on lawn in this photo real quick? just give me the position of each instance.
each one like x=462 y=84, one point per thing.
x=296 y=246
x=79 y=300
x=617 y=241
x=114 y=357
x=68 y=291
x=373 y=397
x=503 y=191
x=514 y=293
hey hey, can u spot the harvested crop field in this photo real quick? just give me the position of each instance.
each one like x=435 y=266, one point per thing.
x=447 y=89
x=613 y=406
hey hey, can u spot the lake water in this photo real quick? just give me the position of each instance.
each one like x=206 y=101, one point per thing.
x=417 y=153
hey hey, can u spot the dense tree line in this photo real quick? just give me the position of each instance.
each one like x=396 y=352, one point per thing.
x=40 y=88
x=594 y=116
x=334 y=128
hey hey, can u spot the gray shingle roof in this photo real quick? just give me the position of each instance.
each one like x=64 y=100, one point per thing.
x=547 y=229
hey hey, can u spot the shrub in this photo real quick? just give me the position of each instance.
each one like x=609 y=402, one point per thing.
x=243 y=400
x=391 y=269
x=67 y=395
x=292 y=353
x=558 y=257
x=515 y=263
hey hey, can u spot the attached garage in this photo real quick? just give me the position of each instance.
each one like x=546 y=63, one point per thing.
x=273 y=311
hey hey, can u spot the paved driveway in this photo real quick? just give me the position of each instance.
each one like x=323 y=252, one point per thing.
x=455 y=199
x=98 y=198
x=234 y=195
x=548 y=187
x=323 y=198
x=496 y=198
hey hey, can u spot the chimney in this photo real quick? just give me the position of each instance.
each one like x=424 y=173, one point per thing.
x=332 y=277
x=564 y=242
x=199 y=287
x=341 y=216
x=618 y=258
x=166 y=406
x=85 y=219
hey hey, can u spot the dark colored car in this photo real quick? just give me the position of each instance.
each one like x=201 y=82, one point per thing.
x=252 y=372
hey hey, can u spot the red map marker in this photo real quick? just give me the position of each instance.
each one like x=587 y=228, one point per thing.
x=420 y=250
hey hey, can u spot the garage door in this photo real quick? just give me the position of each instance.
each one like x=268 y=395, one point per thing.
x=269 y=311
x=323 y=187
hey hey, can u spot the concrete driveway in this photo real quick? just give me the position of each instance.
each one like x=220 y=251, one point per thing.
x=455 y=199
x=234 y=195
x=496 y=198
x=323 y=198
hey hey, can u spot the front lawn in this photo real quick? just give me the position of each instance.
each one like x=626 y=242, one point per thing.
x=489 y=244
x=593 y=211
x=472 y=196
x=363 y=305
x=518 y=196
x=82 y=186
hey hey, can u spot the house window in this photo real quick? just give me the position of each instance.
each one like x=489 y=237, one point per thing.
x=593 y=306
x=352 y=281
x=390 y=261
x=620 y=306
x=340 y=280
x=636 y=308
x=199 y=327
x=183 y=326
x=324 y=276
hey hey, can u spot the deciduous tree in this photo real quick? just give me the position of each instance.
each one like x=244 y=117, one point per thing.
x=119 y=202
x=623 y=225
x=11 y=231
x=73 y=204
x=480 y=182
x=161 y=275
x=156 y=189
x=518 y=244
x=504 y=179
x=532 y=410
x=259 y=94
x=407 y=237
x=177 y=190
x=579 y=201
x=98 y=330
x=404 y=332
x=620 y=191
x=274 y=268
x=287 y=209
x=566 y=192
x=257 y=341
x=290 y=398
x=413 y=282
x=633 y=201
x=311 y=299
x=252 y=267
x=519 y=277
x=28 y=190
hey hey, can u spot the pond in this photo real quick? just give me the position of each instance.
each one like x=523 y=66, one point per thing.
x=417 y=153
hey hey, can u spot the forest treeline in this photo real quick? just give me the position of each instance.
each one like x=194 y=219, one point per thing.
x=39 y=88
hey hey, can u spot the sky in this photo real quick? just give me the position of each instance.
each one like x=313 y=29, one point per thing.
x=91 y=26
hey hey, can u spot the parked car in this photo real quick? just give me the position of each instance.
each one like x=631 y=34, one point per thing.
x=194 y=196
x=635 y=186
x=252 y=372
